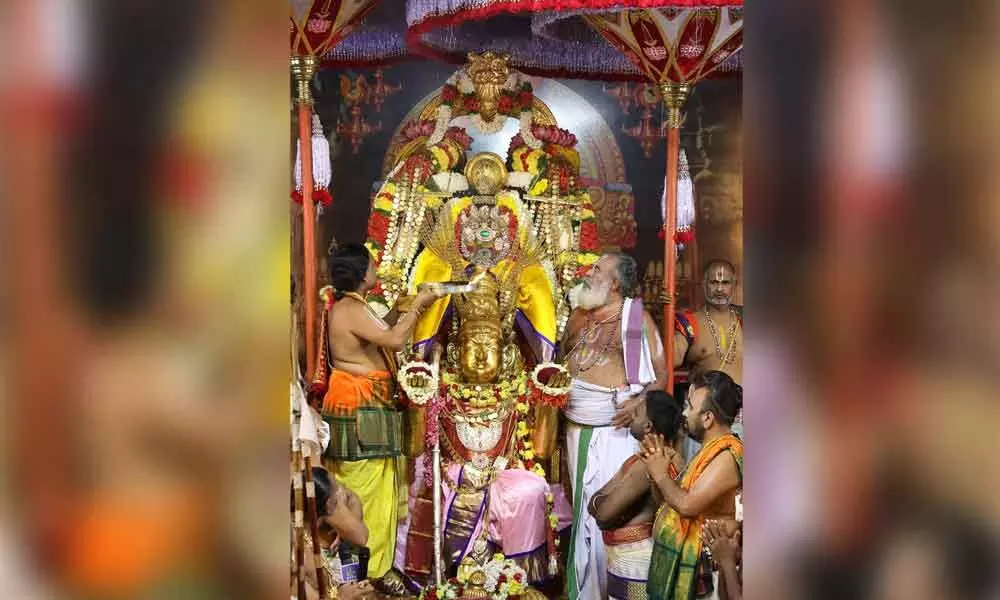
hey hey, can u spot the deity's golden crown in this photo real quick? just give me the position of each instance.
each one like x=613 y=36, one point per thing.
x=480 y=309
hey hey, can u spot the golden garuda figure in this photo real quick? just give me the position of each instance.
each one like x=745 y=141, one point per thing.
x=508 y=238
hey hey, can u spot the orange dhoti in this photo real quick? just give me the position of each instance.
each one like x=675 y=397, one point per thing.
x=366 y=436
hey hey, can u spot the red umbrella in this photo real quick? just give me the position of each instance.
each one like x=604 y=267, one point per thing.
x=675 y=48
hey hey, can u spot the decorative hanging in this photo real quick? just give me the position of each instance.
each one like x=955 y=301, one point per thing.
x=647 y=133
x=684 y=231
x=677 y=45
x=320 y=166
x=685 y=204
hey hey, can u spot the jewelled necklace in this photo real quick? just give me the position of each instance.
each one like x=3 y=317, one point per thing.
x=589 y=336
x=725 y=357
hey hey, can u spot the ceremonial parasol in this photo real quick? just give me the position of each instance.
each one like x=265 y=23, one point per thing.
x=674 y=47
x=316 y=27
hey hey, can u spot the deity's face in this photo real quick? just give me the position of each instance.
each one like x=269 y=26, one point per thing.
x=479 y=352
x=720 y=283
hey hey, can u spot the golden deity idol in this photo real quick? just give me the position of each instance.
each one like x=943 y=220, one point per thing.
x=480 y=333
x=506 y=239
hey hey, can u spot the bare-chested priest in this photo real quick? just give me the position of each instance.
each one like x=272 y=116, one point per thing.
x=711 y=337
x=705 y=490
x=615 y=355
x=360 y=400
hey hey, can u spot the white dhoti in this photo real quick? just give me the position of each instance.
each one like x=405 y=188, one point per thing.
x=628 y=563
x=596 y=451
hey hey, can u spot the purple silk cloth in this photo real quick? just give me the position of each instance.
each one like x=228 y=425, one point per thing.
x=633 y=341
x=515 y=516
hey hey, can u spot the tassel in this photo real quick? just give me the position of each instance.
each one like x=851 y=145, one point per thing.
x=321 y=155
x=683 y=238
x=321 y=378
x=298 y=166
x=684 y=234
x=323 y=196
x=322 y=170
x=685 y=195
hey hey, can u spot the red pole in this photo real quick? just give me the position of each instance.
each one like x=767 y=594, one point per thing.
x=303 y=68
x=674 y=95
x=670 y=253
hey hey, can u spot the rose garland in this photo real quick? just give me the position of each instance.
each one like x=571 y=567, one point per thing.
x=544 y=393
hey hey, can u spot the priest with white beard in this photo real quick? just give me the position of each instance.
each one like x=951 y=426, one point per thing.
x=615 y=354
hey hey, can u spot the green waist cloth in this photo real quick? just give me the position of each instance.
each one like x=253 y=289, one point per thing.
x=367 y=433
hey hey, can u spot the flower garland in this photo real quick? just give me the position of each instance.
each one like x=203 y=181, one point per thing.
x=321 y=167
x=589 y=244
x=458 y=98
x=415 y=394
x=416 y=169
x=505 y=392
x=522 y=391
x=544 y=393
x=502 y=579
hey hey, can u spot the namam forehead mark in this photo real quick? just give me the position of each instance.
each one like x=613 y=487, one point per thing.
x=721 y=274
x=607 y=261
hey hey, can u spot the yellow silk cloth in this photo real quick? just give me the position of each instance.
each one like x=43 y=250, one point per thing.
x=376 y=482
x=534 y=295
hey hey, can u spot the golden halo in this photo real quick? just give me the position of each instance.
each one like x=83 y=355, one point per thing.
x=486 y=172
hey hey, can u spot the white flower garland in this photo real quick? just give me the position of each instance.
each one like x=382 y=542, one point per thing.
x=489 y=128
x=419 y=396
x=685 y=194
x=440 y=125
x=527 y=118
x=321 y=170
x=546 y=389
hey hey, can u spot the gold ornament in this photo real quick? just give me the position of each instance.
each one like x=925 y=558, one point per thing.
x=487 y=173
x=488 y=72
x=480 y=332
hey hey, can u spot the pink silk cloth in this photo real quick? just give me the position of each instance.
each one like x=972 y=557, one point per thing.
x=515 y=515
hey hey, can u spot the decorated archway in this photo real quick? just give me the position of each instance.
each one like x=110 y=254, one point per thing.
x=601 y=164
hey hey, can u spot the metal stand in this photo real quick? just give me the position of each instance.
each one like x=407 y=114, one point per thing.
x=438 y=562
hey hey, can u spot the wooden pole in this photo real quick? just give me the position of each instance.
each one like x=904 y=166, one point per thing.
x=312 y=515
x=674 y=95
x=303 y=67
x=298 y=520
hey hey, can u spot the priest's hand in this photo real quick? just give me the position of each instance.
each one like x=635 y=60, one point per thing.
x=723 y=540
x=656 y=455
x=626 y=411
